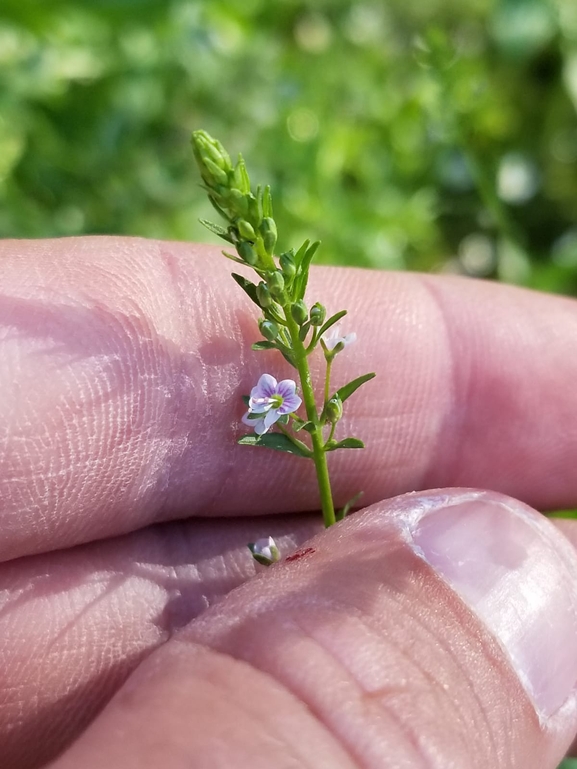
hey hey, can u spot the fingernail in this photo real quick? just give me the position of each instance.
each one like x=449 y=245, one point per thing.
x=519 y=575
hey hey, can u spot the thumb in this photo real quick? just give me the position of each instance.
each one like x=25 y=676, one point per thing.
x=429 y=631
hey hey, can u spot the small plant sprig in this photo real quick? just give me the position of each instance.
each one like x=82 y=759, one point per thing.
x=287 y=325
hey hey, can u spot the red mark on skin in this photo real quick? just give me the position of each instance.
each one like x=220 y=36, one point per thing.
x=300 y=554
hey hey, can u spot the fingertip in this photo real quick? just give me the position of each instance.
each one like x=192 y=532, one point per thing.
x=411 y=632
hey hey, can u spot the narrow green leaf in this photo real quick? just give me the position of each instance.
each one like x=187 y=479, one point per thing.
x=217 y=230
x=342 y=514
x=267 y=202
x=300 y=424
x=301 y=252
x=216 y=206
x=241 y=176
x=245 y=399
x=348 y=389
x=347 y=443
x=304 y=330
x=264 y=345
x=303 y=275
x=331 y=321
x=247 y=286
x=233 y=258
x=278 y=442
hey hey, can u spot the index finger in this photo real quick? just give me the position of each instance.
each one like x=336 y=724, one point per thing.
x=123 y=362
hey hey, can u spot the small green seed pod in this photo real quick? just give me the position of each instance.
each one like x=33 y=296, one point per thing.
x=268 y=329
x=247 y=253
x=299 y=312
x=318 y=314
x=287 y=265
x=334 y=409
x=263 y=294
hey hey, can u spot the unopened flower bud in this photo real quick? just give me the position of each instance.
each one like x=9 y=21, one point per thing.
x=247 y=253
x=264 y=551
x=318 y=314
x=238 y=202
x=263 y=294
x=275 y=282
x=268 y=329
x=246 y=230
x=299 y=312
x=206 y=148
x=212 y=174
x=334 y=409
x=287 y=265
x=269 y=234
x=255 y=208
x=241 y=180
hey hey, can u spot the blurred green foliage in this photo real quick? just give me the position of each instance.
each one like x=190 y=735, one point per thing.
x=434 y=136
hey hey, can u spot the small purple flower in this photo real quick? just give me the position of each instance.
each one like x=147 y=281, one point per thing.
x=272 y=400
x=334 y=338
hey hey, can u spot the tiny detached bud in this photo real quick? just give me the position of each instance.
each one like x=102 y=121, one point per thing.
x=265 y=551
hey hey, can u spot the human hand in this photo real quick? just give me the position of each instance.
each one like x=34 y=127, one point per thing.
x=122 y=362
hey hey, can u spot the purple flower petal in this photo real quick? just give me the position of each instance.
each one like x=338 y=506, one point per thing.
x=260 y=427
x=265 y=388
x=259 y=405
x=286 y=388
x=290 y=404
x=271 y=417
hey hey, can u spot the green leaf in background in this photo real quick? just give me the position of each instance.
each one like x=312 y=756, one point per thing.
x=330 y=102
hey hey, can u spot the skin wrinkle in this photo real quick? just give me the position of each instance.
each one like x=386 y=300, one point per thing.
x=482 y=358
x=378 y=627
x=266 y=679
x=412 y=662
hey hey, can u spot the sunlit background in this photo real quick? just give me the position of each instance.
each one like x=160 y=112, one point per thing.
x=438 y=136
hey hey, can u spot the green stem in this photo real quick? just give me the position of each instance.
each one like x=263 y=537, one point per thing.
x=328 y=379
x=319 y=454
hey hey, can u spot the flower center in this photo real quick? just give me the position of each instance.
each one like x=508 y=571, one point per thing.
x=276 y=401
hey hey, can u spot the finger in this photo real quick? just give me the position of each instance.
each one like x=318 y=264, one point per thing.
x=429 y=631
x=123 y=362
x=75 y=623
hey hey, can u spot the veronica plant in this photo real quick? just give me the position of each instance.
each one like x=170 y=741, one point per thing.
x=287 y=324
